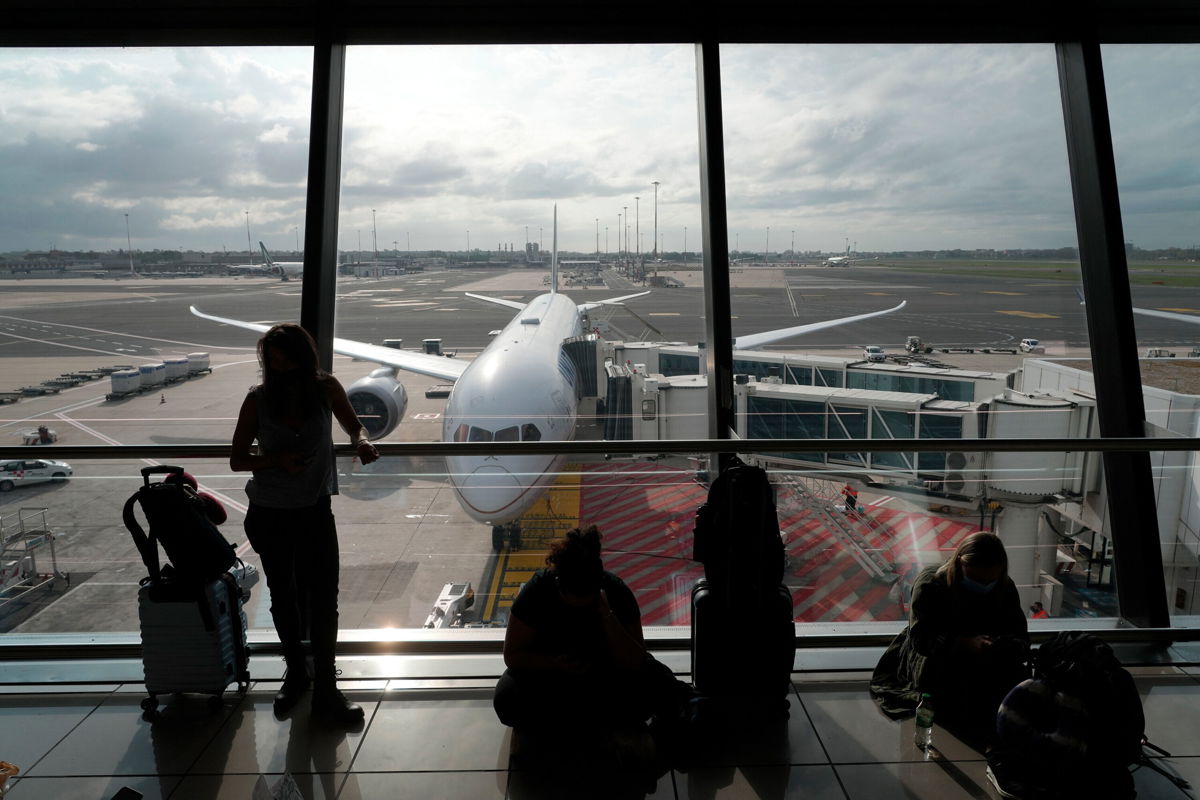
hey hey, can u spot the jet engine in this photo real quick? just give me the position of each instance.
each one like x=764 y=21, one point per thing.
x=379 y=400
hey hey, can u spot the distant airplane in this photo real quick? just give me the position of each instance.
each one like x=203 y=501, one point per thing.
x=284 y=269
x=522 y=387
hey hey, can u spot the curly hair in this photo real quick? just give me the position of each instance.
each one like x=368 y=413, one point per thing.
x=575 y=561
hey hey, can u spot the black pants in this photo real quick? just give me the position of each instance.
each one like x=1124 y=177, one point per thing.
x=299 y=552
x=554 y=702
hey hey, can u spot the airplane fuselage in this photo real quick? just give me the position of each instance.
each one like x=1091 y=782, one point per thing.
x=522 y=387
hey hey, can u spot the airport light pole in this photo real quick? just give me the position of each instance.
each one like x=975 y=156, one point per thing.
x=625 y=230
x=297 y=230
x=767 y=247
x=685 y=245
x=793 y=250
x=655 y=217
x=597 y=238
x=374 y=239
x=128 y=245
x=468 y=246
x=637 y=225
x=249 y=247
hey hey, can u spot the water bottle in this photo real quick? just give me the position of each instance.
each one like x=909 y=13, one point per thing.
x=923 y=738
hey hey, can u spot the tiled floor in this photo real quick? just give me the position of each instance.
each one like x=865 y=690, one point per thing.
x=440 y=739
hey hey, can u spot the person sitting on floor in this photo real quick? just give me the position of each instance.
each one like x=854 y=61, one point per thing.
x=576 y=660
x=966 y=642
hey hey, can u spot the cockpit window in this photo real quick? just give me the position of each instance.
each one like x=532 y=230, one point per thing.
x=507 y=434
x=530 y=433
x=479 y=435
x=460 y=433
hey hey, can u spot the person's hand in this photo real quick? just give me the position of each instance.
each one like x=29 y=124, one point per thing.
x=975 y=645
x=366 y=452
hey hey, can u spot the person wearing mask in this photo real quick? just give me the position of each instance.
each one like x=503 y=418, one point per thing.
x=289 y=521
x=966 y=642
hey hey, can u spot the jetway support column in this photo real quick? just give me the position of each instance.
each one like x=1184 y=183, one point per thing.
x=1017 y=527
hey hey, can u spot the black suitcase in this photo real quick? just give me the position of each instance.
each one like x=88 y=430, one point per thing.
x=743 y=649
x=193 y=638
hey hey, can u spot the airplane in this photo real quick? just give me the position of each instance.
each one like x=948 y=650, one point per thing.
x=521 y=387
x=286 y=270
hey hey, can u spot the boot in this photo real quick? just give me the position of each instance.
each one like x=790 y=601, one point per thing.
x=331 y=706
x=295 y=684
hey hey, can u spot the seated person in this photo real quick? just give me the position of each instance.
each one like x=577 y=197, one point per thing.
x=966 y=642
x=575 y=657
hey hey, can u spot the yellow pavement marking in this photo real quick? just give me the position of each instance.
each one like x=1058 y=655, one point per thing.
x=663 y=314
x=948 y=294
x=1006 y=294
x=880 y=294
x=555 y=513
x=1029 y=314
x=1182 y=310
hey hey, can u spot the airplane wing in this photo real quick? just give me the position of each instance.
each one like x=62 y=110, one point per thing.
x=615 y=301
x=517 y=304
x=1151 y=312
x=767 y=337
x=1194 y=319
x=448 y=369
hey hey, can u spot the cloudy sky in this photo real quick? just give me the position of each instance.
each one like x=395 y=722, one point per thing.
x=885 y=147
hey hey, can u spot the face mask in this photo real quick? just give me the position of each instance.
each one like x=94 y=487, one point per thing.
x=977 y=587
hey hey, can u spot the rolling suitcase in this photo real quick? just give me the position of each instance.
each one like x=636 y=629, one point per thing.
x=193 y=638
x=742 y=649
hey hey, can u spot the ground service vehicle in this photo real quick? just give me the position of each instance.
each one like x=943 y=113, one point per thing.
x=24 y=472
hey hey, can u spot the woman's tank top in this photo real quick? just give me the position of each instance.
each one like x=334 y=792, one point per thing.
x=277 y=488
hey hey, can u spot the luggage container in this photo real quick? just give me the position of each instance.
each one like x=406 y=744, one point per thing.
x=153 y=374
x=198 y=363
x=176 y=368
x=126 y=381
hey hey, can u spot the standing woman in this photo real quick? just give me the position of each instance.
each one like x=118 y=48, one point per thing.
x=289 y=522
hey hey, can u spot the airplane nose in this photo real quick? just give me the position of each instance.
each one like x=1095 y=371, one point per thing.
x=490 y=490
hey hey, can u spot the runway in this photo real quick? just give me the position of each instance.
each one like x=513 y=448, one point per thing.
x=403 y=533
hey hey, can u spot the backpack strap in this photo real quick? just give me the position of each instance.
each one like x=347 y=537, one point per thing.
x=147 y=545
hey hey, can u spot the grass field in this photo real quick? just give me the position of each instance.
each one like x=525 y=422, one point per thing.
x=1154 y=273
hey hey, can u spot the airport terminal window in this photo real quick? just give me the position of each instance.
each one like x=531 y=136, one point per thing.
x=893 y=425
x=829 y=377
x=1154 y=147
x=937 y=426
x=846 y=422
x=678 y=364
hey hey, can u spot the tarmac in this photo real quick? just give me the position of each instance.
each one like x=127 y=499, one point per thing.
x=403 y=534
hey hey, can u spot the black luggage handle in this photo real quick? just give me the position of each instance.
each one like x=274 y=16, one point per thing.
x=162 y=469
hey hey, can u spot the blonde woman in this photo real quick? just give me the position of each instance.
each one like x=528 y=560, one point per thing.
x=966 y=642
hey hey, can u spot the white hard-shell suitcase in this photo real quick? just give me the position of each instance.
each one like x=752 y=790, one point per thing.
x=193 y=638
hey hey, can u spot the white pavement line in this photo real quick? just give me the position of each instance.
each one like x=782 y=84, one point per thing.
x=882 y=501
x=225 y=499
x=119 y=333
x=77 y=347
x=69 y=407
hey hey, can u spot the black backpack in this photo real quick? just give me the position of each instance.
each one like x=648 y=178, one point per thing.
x=737 y=534
x=1076 y=674
x=176 y=517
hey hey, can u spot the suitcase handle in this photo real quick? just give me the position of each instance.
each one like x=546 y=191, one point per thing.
x=162 y=469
